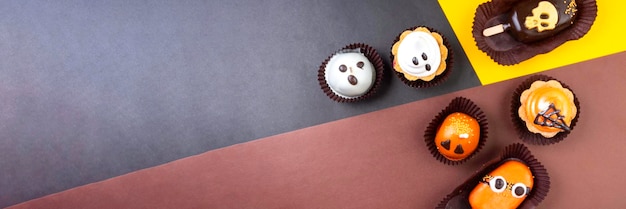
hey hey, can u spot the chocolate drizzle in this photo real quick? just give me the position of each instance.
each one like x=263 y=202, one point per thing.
x=544 y=118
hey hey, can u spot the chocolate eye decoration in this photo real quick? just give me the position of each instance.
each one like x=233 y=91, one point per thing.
x=519 y=190
x=497 y=184
x=545 y=118
x=424 y=57
x=360 y=64
x=343 y=68
x=415 y=61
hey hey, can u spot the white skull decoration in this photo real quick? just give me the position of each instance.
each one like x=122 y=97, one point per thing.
x=545 y=16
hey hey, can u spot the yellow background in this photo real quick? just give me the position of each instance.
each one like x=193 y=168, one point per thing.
x=606 y=36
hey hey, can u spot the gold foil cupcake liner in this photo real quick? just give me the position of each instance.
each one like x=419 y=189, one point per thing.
x=505 y=50
x=439 y=78
x=458 y=198
x=458 y=104
x=519 y=124
x=371 y=55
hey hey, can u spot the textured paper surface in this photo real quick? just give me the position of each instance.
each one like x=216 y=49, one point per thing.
x=378 y=160
x=91 y=90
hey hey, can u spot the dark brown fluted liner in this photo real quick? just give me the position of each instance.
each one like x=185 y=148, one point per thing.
x=459 y=197
x=371 y=55
x=520 y=125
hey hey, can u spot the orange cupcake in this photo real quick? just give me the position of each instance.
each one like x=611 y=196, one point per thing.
x=457 y=133
x=458 y=136
x=547 y=108
x=544 y=110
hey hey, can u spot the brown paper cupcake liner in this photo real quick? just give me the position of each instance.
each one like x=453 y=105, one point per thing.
x=371 y=55
x=438 y=79
x=459 y=104
x=520 y=126
x=505 y=50
x=458 y=198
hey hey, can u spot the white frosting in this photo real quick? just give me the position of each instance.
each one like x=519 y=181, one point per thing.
x=413 y=46
x=463 y=136
x=339 y=81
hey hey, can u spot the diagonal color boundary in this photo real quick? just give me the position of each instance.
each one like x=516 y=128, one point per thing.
x=604 y=38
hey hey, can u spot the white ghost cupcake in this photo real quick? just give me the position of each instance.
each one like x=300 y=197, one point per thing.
x=351 y=74
x=421 y=57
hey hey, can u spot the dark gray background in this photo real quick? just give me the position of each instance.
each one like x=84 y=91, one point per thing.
x=90 y=90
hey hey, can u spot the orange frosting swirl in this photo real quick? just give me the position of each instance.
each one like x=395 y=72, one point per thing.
x=538 y=99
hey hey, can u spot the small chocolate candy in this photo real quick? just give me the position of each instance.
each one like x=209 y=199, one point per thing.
x=343 y=68
x=352 y=80
x=534 y=20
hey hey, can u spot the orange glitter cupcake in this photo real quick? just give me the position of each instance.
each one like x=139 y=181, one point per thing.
x=458 y=136
x=457 y=133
